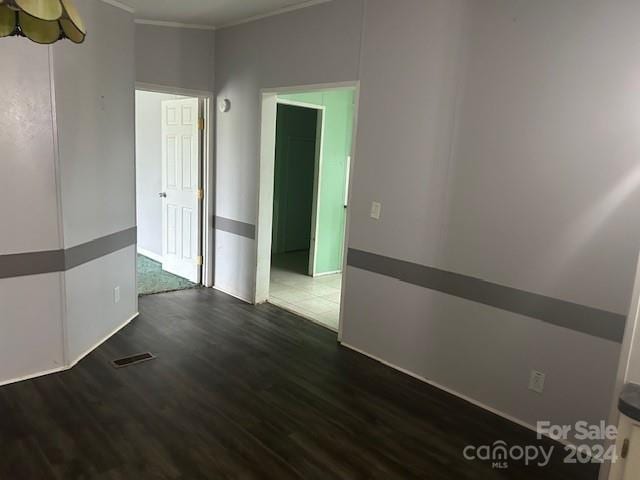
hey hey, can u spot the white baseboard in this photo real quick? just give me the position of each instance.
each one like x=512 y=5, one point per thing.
x=71 y=365
x=150 y=254
x=100 y=342
x=234 y=295
x=325 y=274
x=506 y=416
x=34 y=375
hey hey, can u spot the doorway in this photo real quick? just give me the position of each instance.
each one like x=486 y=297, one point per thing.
x=297 y=157
x=307 y=142
x=170 y=148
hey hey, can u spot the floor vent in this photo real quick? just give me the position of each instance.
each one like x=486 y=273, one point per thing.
x=132 y=360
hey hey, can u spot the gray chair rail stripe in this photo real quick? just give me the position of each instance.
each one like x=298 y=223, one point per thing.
x=580 y=318
x=234 y=226
x=51 y=261
x=100 y=247
x=31 y=263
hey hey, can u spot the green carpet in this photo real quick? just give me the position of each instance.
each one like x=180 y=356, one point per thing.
x=152 y=279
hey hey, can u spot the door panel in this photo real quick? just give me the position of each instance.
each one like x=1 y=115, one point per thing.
x=296 y=131
x=181 y=206
x=299 y=205
x=172 y=165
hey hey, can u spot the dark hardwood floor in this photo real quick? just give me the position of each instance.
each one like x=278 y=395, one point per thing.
x=244 y=392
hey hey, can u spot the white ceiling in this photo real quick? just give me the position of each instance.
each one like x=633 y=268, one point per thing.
x=213 y=13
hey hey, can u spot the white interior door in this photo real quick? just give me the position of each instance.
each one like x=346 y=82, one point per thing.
x=181 y=197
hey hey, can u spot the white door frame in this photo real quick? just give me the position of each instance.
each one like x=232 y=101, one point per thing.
x=629 y=343
x=317 y=175
x=182 y=197
x=207 y=171
x=264 y=225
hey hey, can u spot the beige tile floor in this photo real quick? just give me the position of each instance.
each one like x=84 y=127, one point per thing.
x=315 y=298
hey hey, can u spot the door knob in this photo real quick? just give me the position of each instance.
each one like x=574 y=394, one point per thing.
x=162 y=194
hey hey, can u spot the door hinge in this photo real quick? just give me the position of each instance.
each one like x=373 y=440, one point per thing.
x=199 y=260
x=200 y=194
x=201 y=123
x=625 y=448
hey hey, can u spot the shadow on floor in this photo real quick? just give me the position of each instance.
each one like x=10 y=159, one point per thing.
x=297 y=262
x=152 y=279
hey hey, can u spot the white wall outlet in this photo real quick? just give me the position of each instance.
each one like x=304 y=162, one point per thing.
x=536 y=381
x=376 y=210
x=116 y=295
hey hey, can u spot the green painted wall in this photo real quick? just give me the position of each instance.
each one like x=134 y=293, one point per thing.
x=338 y=131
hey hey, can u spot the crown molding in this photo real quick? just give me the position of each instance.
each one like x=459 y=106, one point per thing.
x=121 y=6
x=280 y=11
x=159 y=23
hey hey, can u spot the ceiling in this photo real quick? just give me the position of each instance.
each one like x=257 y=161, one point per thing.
x=213 y=13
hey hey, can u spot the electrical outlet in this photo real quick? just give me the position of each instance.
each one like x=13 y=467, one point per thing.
x=536 y=381
x=116 y=295
x=376 y=209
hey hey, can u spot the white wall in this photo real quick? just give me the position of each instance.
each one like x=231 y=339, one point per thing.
x=30 y=307
x=149 y=169
x=30 y=218
x=95 y=115
x=314 y=45
x=92 y=315
x=67 y=141
x=568 y=120
x=95 y=118
x=501 y=139
x=507 y=151
x=31 y=319
x=175 y=57
x=404 y=132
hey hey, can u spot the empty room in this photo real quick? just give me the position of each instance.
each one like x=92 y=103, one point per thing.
x=318 y=239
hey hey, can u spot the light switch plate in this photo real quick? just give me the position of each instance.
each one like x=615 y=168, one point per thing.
x=376 y=210
x=536 y=381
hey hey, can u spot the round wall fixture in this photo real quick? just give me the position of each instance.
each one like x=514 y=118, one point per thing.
x=224 y=105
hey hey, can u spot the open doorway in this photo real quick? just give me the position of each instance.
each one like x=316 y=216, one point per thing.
x=307 y=142
x=169 y=191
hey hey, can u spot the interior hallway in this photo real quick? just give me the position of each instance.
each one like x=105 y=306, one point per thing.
x=240 y=391
x=315 y=298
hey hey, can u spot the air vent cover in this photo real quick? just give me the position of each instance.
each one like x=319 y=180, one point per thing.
x=132 y=360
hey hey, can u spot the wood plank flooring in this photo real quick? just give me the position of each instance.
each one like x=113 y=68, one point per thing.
x=244 y=392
